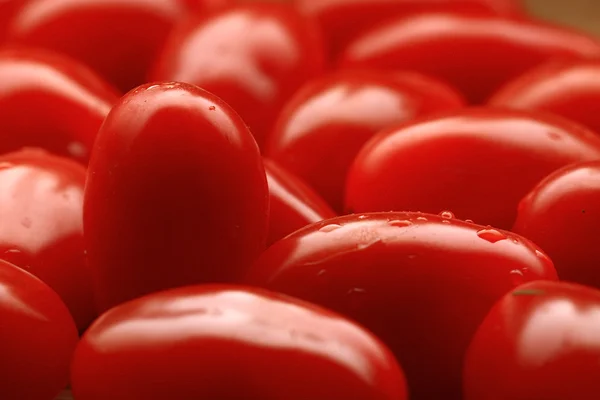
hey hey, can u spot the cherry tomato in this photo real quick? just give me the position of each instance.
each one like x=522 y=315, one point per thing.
x=253 y=56
x=37 y=339
x=41 y=205
x=50 y=101
x=479 y=163
x=176 y=194
x=540 y=342
x=326 y=123
x=7 y=10
x=569 y=88
x=562 y=215
x=227 y=342
x=474 y=53
x=293 y=204
x=342 y=20
x=421 y=282
x=118 y=38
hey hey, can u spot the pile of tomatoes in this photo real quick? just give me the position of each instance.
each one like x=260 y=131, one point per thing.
x=309 y=200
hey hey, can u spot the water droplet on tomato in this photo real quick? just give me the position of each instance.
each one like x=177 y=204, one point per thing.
x=470 y=221
x=357 y=297
x=421 y=219
x=329 y=228
x=517 y=277
x=491 y=235
x=400 y=223
x=363 y=217
x=446 y=214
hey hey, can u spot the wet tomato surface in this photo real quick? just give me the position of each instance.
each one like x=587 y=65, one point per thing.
x=168 y=170
x=225 y=342
x=389 y=271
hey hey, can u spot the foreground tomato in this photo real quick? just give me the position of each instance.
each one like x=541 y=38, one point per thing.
x=176 y=194
x=293 y=204
x=38 y=337
x=326 y=123
x=41 y=203
x=7 y=10
x=224 y=342
x=479 y=163
x=421 y=282
x=474 y=53
x=562 y=215
x=49 y=101
x=342 y=20
x=568 y=88
x=253 y=56
x=117 y=38
x=540 y=342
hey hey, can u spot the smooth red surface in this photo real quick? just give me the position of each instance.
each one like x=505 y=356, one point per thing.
x=540 y=342
x=117 y=38
x=37 y=338
x=293 y=204
x=570 y=89
x=176 y=194
x=7 y=9
x=420 y=282
x=50 y=101
x=562 y=215
x=474 y=53
x=342 y=20
x=478 y=163
x=254 y=56
x=41 y=206
x=323 y=127
x=225 y=342
x=206 y=5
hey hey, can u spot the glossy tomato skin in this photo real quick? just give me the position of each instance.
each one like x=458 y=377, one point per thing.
x=118 y=38
x=292 y=203
x=323 y=127
x=254 y=56
x=342 y=20
x=206 y=5
x=562 y=214
x=540 y=342
x=474 y=53
x=420 y=282
x=50 y=101
x=41 y=209
x=176 y=194
x=7 y=9
x=479 y=163
x=38 y=337
x=230 y=342
x=566 y=88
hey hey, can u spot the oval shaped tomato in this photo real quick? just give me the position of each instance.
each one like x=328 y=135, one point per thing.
x=562 y=215
x=226 y=342
x=421 y=282
x=568 y=88
x=253 y=56
x=540 y=342
x=342 y=20
x=50 y=101
x=323 y=127
x=38 y=337
x=176 y=194
x=41 y=207
x=479 y=163
x=293 y=204
x=117 y=38
x=474 y=53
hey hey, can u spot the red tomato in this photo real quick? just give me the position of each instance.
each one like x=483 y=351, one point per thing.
x=49 y=101
x=37 y=339
x=41 y=203
x=326 y=123
x=342 y=20
x=475 y=53
x=569 y=88
x=562 y=215
x=176 y=194
x=479 y=163
x=293 y=204
x=225 y=342
x=253 y=56
x=540 y=342
x=421 y=282
x=118 y=38
x=7 y=10
x=206 y=5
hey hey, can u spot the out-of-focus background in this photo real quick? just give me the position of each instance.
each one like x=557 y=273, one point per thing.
x=580 y=13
